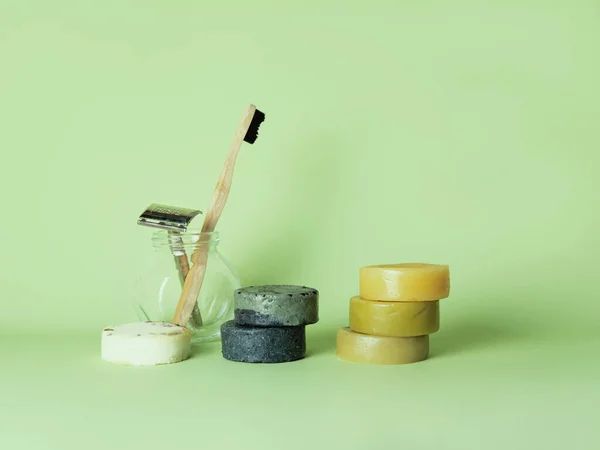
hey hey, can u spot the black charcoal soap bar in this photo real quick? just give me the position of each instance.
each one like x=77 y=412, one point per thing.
x=276 y=306
x=261 y=344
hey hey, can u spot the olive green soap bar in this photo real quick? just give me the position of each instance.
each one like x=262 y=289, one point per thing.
x=276 y=306
x=400 y=319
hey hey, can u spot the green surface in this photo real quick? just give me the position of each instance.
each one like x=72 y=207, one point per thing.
x=461 y=133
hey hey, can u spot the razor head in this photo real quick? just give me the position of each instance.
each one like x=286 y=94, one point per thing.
x=166 y=217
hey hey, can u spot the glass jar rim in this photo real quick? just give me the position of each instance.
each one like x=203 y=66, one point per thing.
x=166 y=238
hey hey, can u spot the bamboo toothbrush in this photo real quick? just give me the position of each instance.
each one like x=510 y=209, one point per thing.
x=246 y=131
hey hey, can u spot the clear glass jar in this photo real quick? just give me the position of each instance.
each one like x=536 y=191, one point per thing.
x=158 y=287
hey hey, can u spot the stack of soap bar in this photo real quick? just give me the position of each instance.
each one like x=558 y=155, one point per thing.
x=269 y=323
x=397 y=310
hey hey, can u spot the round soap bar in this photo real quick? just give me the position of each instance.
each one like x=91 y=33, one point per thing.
x=262 y=344
x=401 y=319
x=146 y=343
x=383 y=350
x=409 y=282
x=276 y=305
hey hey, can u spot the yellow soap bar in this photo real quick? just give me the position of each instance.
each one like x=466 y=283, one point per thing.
x=383 y=350
x=400 y=319
x=409 y=282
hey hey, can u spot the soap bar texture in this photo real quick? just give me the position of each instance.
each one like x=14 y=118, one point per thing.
x=276 y=305
x=145 y=343
x=382 y=350
x=409 y=282
x=262 y=344
x=401 y=319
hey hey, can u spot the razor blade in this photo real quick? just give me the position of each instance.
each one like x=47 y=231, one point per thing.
x=166 y=217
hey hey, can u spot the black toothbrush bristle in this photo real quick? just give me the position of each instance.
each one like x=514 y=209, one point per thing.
x=252 y=133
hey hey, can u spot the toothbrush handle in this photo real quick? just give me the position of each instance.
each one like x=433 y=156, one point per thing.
x=221 y=192
x=195 y=278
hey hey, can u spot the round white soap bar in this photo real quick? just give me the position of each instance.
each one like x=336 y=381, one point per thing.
x=146 y=343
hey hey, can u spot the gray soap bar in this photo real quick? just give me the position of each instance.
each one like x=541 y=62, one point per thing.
x=262 y=344
x=276 y=305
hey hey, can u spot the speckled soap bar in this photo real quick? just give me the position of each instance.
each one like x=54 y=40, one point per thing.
x=145 y=344
x=262 y=344
x=276 y=306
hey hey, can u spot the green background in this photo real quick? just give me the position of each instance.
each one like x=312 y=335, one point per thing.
x=460 y=132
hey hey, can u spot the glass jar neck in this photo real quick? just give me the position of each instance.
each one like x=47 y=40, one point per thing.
x=176 y=242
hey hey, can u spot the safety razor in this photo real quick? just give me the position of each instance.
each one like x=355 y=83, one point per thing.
x=175 y=221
